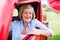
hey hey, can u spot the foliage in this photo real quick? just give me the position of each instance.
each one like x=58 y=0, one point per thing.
x=55 y=37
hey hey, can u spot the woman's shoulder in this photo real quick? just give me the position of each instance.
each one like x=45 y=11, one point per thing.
x=35 y=20
x=16 y=21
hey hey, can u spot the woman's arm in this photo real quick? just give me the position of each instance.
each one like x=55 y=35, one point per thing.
x=43 y=29
x=39 y=32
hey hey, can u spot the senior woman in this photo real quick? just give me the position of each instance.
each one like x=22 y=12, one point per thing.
x=27 y=24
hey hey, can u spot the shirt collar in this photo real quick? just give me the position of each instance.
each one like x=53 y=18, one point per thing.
x=27 y=25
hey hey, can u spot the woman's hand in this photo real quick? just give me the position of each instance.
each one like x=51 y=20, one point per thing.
x=39 y=32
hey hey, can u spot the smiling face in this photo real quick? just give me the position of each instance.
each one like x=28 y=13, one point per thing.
x=27 y=15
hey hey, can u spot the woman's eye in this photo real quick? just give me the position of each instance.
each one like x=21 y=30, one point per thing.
x=25 y=12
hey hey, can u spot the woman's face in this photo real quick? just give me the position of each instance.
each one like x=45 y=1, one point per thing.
x=27 y=15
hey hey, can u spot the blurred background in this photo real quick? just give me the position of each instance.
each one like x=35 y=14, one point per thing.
x=53 y=20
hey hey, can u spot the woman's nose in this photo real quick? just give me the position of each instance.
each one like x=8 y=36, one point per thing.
x=27 y=14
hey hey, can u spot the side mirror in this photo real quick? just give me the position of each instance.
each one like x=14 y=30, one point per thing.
x=54 y=5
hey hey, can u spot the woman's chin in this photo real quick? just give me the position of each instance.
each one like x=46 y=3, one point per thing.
x=27 y=21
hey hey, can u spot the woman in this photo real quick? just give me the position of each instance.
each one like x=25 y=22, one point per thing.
x=27 y=24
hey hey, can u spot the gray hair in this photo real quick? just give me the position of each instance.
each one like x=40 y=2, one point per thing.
x=21 y=10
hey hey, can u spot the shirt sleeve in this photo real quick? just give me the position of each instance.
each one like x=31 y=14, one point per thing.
x=42 y=26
